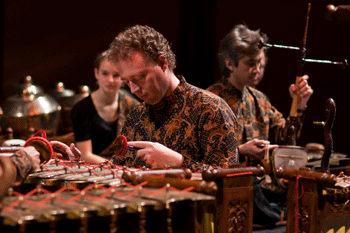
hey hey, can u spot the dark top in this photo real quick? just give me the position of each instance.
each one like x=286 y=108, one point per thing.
x=88 y=125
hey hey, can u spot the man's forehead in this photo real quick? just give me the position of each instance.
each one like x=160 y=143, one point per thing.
x=255 y=57
x=132 y=65
x=137 y=58
x=134 y=57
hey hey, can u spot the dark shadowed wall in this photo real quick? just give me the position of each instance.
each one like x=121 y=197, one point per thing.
x=58 y=40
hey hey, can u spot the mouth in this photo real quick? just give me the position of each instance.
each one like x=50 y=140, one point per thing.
x=143 y=97
x=255 y=77
x=111 y=86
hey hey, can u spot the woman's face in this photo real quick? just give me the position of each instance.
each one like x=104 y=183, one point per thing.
x=108 y=77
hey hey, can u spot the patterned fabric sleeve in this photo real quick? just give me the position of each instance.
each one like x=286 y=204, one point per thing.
x=23 y=163
x=217 y=127
x=278 y=125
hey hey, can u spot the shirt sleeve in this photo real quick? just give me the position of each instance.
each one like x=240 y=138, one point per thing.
x=23 y=163
x=217 y=137
x=279 y=127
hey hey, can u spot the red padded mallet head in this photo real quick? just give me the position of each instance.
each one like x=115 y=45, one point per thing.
x=120 y=145
x=43 y=146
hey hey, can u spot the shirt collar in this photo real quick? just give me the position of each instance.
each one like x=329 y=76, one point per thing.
x=162 y=110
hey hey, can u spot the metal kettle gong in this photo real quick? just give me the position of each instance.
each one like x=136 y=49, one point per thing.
x=31 y=110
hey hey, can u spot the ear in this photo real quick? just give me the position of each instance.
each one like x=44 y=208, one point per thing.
x=96 y=72
x=229 y=64
x=163 y=62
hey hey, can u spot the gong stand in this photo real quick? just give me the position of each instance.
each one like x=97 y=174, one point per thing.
x=318 y=201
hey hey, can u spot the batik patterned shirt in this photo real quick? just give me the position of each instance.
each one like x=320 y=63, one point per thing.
x=256 y=117
x=194 y=122
x=23 y=163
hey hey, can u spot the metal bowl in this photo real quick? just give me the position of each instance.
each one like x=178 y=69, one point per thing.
x=31 y=110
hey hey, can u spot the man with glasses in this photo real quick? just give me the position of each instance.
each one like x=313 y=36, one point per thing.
x=259 y=123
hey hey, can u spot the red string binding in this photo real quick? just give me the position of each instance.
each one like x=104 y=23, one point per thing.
x=297 y=198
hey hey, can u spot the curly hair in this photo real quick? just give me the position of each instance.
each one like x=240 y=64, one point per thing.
x=143 y=39
x=240 y=42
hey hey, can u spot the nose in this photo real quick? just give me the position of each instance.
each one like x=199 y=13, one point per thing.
x=110 y=78
x=133 y=87
x=257 y=68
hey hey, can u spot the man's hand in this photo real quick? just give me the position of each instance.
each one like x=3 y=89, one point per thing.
x=62 y=150
x=157 y=155
x=255 y=149
x=304 y=91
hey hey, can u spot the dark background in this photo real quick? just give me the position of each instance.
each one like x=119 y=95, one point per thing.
x=58 y=40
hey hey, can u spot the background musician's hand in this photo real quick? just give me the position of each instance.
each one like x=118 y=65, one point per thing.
x=255 y=149
x=304 y=91
x=63 y=150
x=157 y=155
x=34 y=155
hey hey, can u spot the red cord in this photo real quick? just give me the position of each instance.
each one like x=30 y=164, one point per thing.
x=47 y=143
x=40 y=133
x=239 y=174
x=297 y=198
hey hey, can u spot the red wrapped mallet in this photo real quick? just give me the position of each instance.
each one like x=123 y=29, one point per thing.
x=121 y=146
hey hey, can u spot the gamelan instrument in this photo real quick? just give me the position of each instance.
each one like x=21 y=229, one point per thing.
x=41 y=144
x=293 y=157
x=339 y=13
x=291 y=137
x=232 y=187
x=318 y=201
x=327 y=132
x=290 y=155
x=83 y=197
x=75 y=196
x=31 y=109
